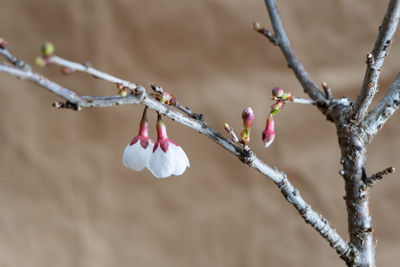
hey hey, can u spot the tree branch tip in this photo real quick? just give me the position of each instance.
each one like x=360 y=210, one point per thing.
x=231 y=132
x=260 y=29
x=373 y=179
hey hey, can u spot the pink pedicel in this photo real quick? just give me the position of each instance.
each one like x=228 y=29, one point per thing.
x=137 y=155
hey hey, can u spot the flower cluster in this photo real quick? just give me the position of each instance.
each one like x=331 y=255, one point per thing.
x=281 y=96
x=162 y=159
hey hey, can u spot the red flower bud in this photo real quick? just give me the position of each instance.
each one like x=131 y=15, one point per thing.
x=268 y=134
x=277 y=92
x=248 y=117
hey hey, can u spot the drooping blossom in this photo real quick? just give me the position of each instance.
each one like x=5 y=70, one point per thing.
x=138 y=152
x=168 y=157
x=268 y=134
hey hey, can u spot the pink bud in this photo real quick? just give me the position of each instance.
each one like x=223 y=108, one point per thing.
x=248 y=117
x=277 y=92
x=268 y=134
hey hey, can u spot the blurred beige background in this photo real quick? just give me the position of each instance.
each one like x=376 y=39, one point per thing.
x=67 y=200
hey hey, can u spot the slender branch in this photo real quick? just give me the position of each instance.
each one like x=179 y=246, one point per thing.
x=280 y=39
x=370 y=181
x=74 y=66
x=292 y=195
x=375 y=61
x=13 y=60
x=73 y=98
x=231 y=132
x=299 y=100
x=383 y=111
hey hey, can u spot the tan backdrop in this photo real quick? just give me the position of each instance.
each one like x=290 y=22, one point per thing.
x=67 y=200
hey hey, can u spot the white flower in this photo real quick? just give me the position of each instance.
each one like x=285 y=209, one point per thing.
x=168 y=157
x=138 y=153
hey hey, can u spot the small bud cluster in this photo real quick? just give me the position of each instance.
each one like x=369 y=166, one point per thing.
x=164 y=97
x=123 y=91
x=281 y=97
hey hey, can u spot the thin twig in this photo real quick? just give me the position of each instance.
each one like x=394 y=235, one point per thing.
x=375 y=60
x=292 y=195
x=377 y=118
x=231 y=132
x=370 y=181
x=74 y=66
x=299 y=100
x=13 y=60
x=280 y=38
x=327 y=90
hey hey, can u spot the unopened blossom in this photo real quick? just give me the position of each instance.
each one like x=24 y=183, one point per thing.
x=248 y=118
x=168 y=157
x=138 y=152
x=277 y=92
x=268 y=134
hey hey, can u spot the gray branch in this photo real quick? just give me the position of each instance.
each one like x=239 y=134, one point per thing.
x=375 y=61
x=291 y=194
x=384 y=110
x=279 y=38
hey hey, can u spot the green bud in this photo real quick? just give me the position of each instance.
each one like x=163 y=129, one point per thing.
x=40 y=61
x=47 y=49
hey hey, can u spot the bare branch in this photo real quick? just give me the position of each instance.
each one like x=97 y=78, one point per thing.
x=375 y=61
x=292 y=195
x=280 y=39
x=74 y=66
x=299 y=100
x=13 y=60
x=72 y=97
x=370 y=181
x=383 y=111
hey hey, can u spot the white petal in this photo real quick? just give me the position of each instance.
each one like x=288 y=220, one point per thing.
x=180 y=159
x=161 y=163
x=136 y=157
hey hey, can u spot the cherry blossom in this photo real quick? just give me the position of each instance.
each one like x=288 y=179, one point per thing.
x=168 y=157
x=138 y=152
